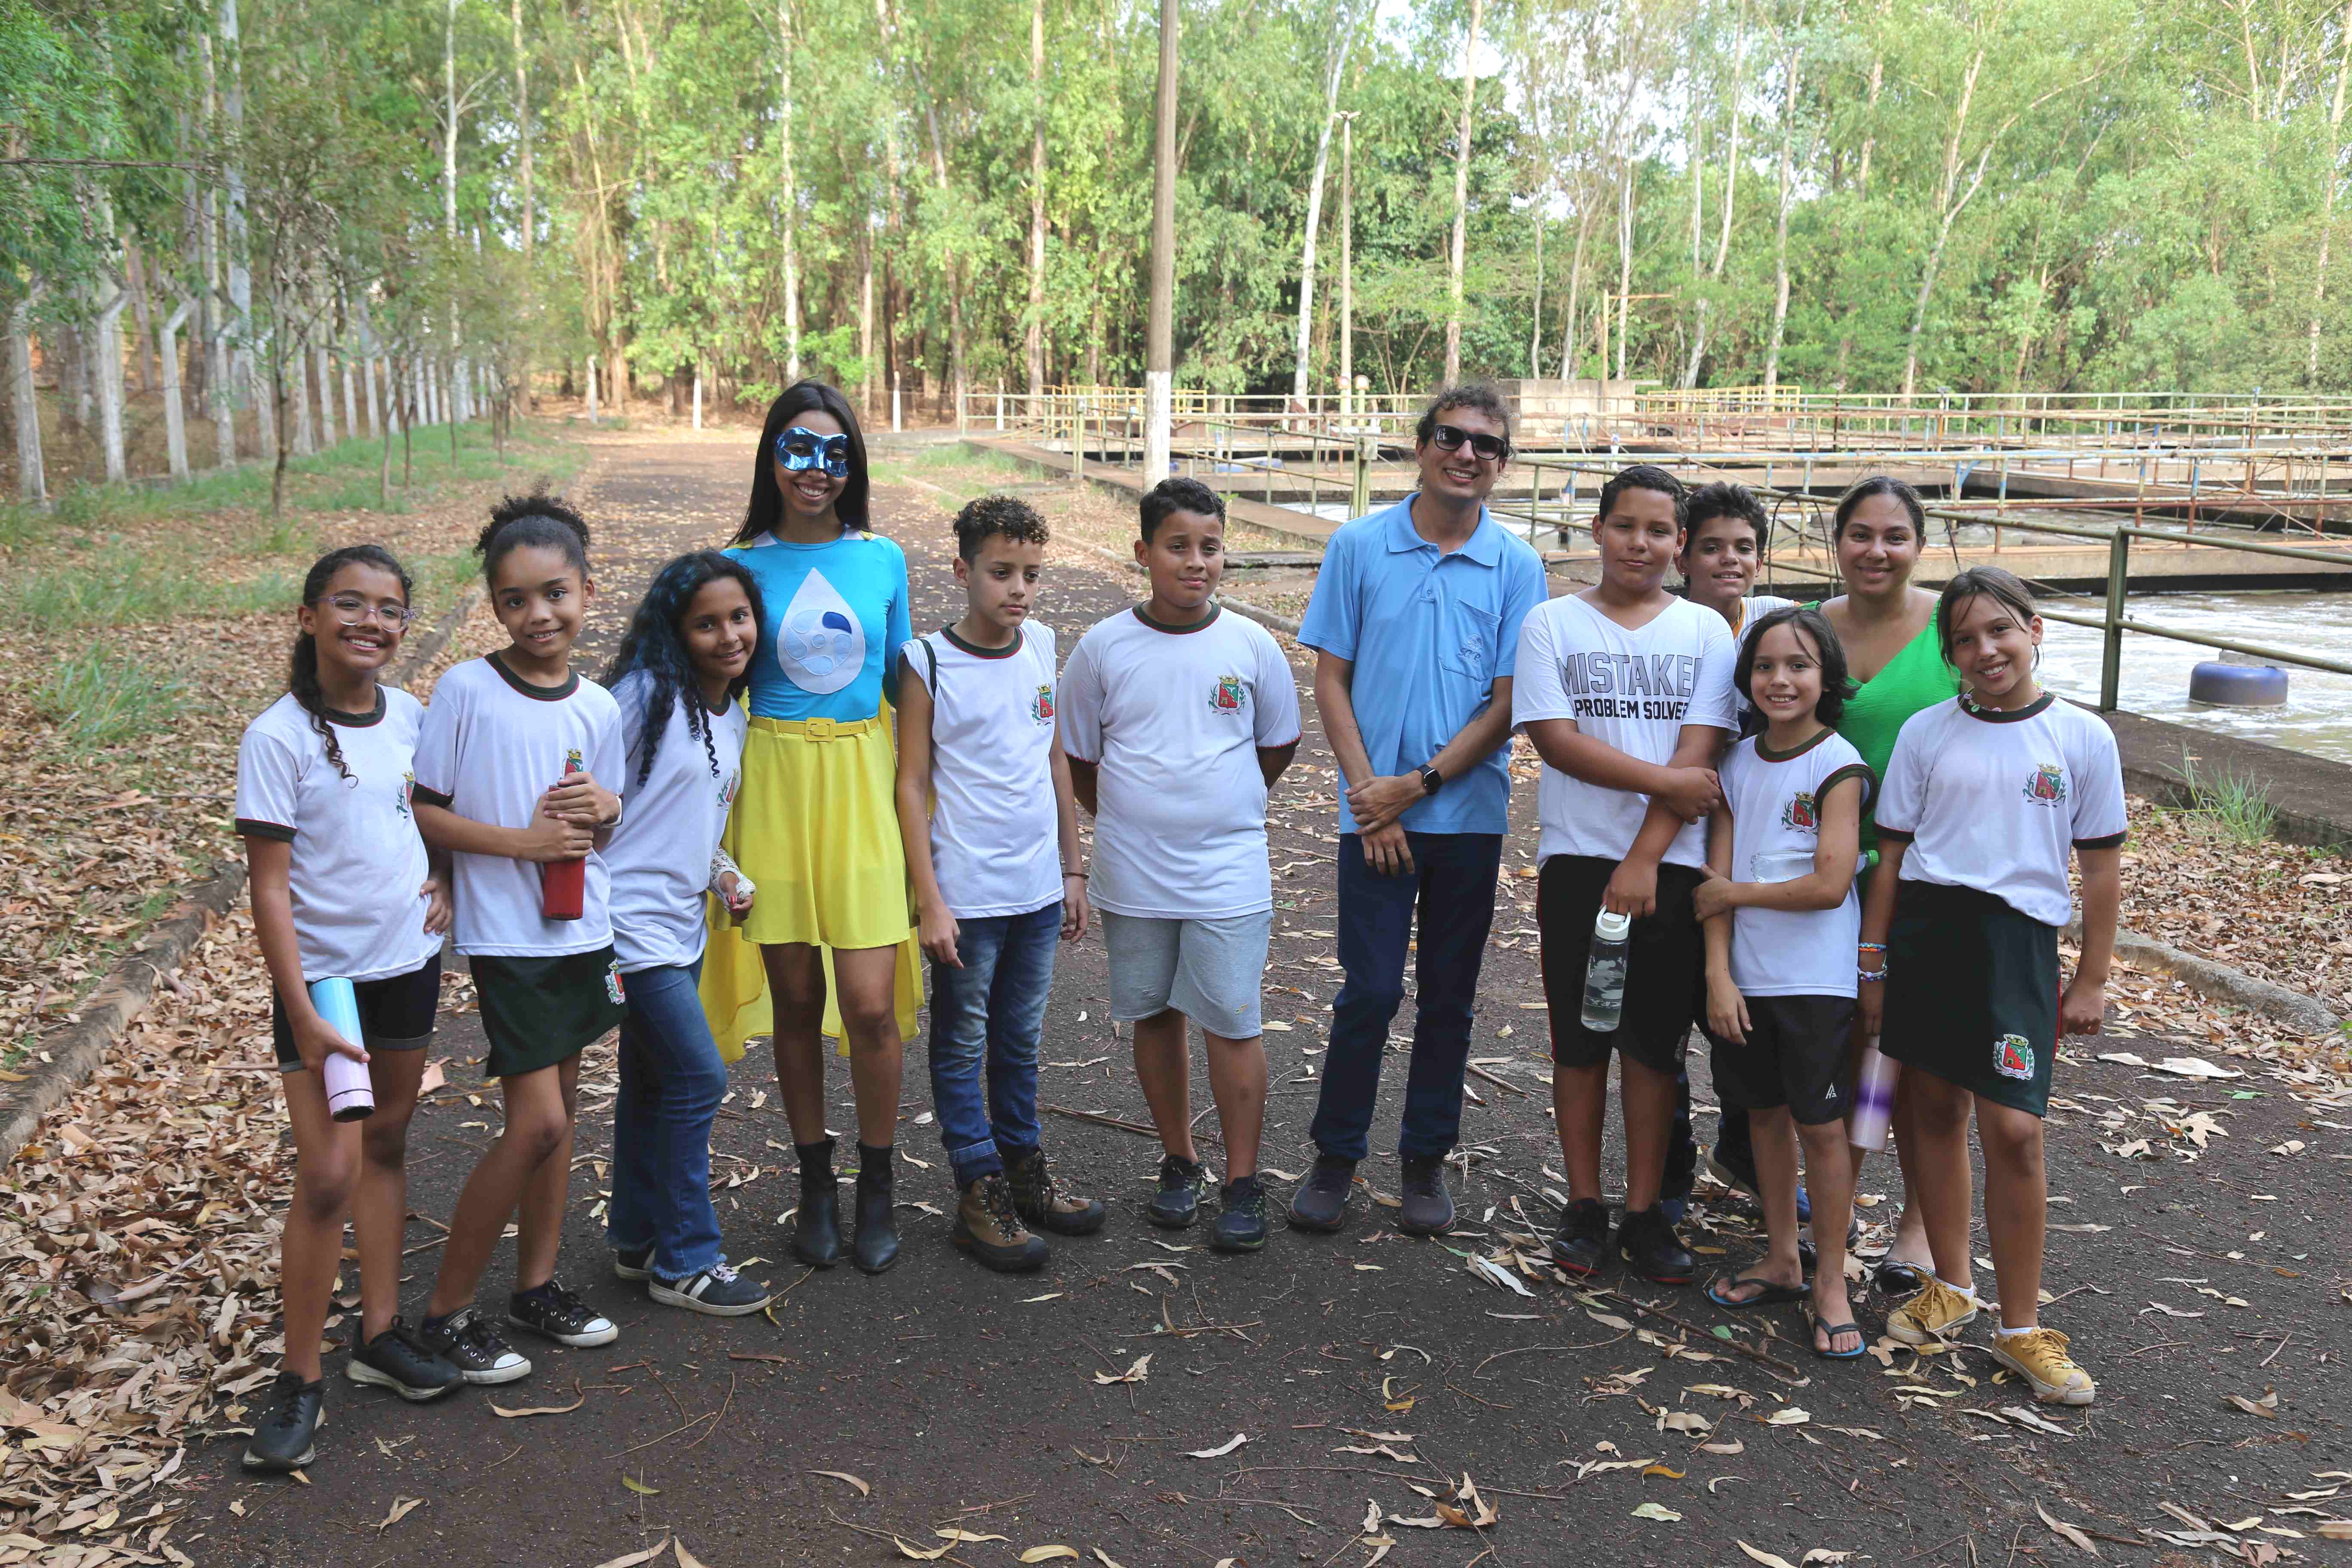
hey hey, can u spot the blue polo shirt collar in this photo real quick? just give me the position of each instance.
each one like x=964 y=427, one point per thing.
x=1485 y=545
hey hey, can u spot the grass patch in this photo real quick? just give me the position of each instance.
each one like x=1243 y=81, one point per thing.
x=120 y=584
x=100 y=697
x=2238 y=804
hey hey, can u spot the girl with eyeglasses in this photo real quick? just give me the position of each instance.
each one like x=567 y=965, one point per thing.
x=817 y=826
x=343 y=887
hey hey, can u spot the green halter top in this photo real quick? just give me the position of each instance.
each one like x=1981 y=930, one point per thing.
x=1917 y=678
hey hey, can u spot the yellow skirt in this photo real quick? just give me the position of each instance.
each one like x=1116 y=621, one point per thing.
x=815 y=827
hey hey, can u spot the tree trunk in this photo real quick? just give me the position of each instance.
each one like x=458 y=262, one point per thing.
x=1035 y=339
x=1535 y=310
x=1780 y=222
x=142 y=311
x=789 y=193
x=1730 y=200
x=1461 y=198
x=296 y=383
x=246 y=375
x=32 y=481
x=319 y=359
x=522 y=132
x=1625 y=257
x=865 y=315
x=1946 y=210
x=1568 y=350
x=2327 y=207
x=1315 y=207
x=175 y=418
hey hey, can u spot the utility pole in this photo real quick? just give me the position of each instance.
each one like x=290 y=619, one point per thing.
x=1159 y=344
x=1347 y=264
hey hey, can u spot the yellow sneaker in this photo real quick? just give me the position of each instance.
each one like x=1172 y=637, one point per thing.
x=2038 y=1356
x=1937 y=1312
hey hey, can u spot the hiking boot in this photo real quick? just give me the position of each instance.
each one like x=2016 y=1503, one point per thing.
x=1177 y=1203
x=1582 y=1247
x=400 y=1360
x=472 y=1343
x=633 y=1263
x=816 y=1223
x=555 y=1313
x=1242 y=1226
x=717 y=1291
x=1646 y=1241
x=877 y=1247
x=283 y=1431
x=1321 y=1201
x=1043 y=1206
x=2038 y=1356
x=1937 y=1312
x=1427 y=1209
x=988 y=1226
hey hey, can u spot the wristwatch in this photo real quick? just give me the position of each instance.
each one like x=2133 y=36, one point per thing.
x=1430 y=779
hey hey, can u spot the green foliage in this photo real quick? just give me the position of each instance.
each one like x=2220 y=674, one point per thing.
x=2236 y=804
x=101 y=696
x=117 y=583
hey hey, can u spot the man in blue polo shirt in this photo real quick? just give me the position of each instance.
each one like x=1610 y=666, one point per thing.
x=1415 y=623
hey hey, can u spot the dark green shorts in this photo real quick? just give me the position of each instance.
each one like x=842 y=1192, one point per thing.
x=539 y=1011
x=1972 y=993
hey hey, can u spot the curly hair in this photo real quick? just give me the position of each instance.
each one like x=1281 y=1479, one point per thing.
x=302 y=679
x=535 y=519
x=655 y=644
x=991 y=515
x=1480 y=396
x=1837 y=686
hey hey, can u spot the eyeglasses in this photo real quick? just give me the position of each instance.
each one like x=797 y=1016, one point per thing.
x=353 y=612
x=800 y=449
x=1486 y=448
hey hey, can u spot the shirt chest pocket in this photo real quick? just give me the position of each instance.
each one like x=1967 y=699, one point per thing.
x=1470 y=641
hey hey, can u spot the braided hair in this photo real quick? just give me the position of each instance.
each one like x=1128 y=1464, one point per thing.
x=303 y=677
x=655 y=645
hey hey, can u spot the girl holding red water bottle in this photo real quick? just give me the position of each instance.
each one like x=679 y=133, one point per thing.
x=343 y=891
x=509 y=782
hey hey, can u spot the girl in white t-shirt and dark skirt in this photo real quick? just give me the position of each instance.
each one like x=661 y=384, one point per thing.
x=678 y=677
x=510 y=781
x=1986 y=798
x=343 y=889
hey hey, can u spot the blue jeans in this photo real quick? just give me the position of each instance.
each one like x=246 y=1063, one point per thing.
x=986 y=1018
x=672 y=1080
x=1453 y=885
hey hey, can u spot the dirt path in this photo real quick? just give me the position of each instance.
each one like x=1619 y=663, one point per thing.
x=1365 y=1371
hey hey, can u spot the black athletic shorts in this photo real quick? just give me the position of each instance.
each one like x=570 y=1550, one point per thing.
x=1972 y=993
x=395 y=1014
x=1665 y=969
x=1795 y=1055
x=538 y=1012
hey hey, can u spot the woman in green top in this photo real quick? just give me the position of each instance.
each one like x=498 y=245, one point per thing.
x=1889 y=630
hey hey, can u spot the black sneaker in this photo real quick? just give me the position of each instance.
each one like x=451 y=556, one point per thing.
x=1646 y=1241
x=1321 y=1201
x=1177 y=1203
x=633 y=1263
x=400 y=1360
x=718 y=1290
x=559 y=1315
x=1582 y=1245
x=1427 y=1209
x=283 y=1431
x=1242 y=1226
x=472 y=1343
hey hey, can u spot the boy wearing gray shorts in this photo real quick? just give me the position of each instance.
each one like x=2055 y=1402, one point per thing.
x=1177 y=719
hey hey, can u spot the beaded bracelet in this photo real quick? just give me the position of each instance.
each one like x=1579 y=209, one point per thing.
x=1872 y=974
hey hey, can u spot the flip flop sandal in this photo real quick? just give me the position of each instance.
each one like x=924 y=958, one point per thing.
x=1771 y=1295
x=1895 y=1277
x=1831 y=1331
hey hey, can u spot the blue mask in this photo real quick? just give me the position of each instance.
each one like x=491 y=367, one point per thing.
x=799 y=449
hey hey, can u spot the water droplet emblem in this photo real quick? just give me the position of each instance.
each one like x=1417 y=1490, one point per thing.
x=820 y=646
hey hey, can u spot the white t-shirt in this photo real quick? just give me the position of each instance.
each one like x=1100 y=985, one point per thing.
x=357 y=859
x=492 y=745
x=1775 y=805
x=996 y=843
x=1632 y=691
x=659 y=857
x=1174 y=720
x=1995 y=801
x=1752 y=609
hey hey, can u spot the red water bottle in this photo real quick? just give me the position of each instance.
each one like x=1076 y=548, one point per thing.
x=563 y=884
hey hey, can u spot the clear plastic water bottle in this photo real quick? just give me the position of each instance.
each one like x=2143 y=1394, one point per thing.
x=1874 y=1100
x=1605 y=972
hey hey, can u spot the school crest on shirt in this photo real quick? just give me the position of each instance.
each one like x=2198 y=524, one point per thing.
x=573 y=763
x=1801 y=813
x=727 y=790
x=1228 y=695
x=613 y=991
x=2047 y=786
x=2012 y=1057
x=408 y=790
x=1041 y=706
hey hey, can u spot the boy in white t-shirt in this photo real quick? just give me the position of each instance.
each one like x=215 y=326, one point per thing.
x=996 y=866
x=1625 y=690
x=1178 y=719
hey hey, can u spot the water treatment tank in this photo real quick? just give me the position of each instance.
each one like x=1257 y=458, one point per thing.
x=2238 y=685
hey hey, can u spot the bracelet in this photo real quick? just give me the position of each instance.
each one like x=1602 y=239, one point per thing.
x=1874 y=975
x=1873 y=946
x=1081 y=876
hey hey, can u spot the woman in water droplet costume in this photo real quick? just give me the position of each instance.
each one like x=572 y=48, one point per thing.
x=816 y=827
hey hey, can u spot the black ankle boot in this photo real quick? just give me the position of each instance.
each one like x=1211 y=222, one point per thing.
x=877 y=1245
x=816 y=1226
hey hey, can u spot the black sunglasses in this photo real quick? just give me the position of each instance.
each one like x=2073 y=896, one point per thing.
x=1488 y=448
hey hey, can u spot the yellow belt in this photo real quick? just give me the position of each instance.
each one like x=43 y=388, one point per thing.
x=815 y=729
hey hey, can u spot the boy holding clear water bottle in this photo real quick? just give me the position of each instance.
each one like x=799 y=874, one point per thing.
x=1779 y=912
x=1626 y=692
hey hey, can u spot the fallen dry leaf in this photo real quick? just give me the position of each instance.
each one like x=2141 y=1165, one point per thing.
x=639 y=1487
x=1221 y=1450
x=1140 y=1372
x=922 y=1553
x=1788 y=1416
x=2081 y=1540
x=2266 y=1406
x=632 y=1559
x=539 y=1409
x=1047 y=1553
x=1658 y=1511
x=685 y=1559
x=863 y=1489
x=402 y=1507
x=1769 y=1559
